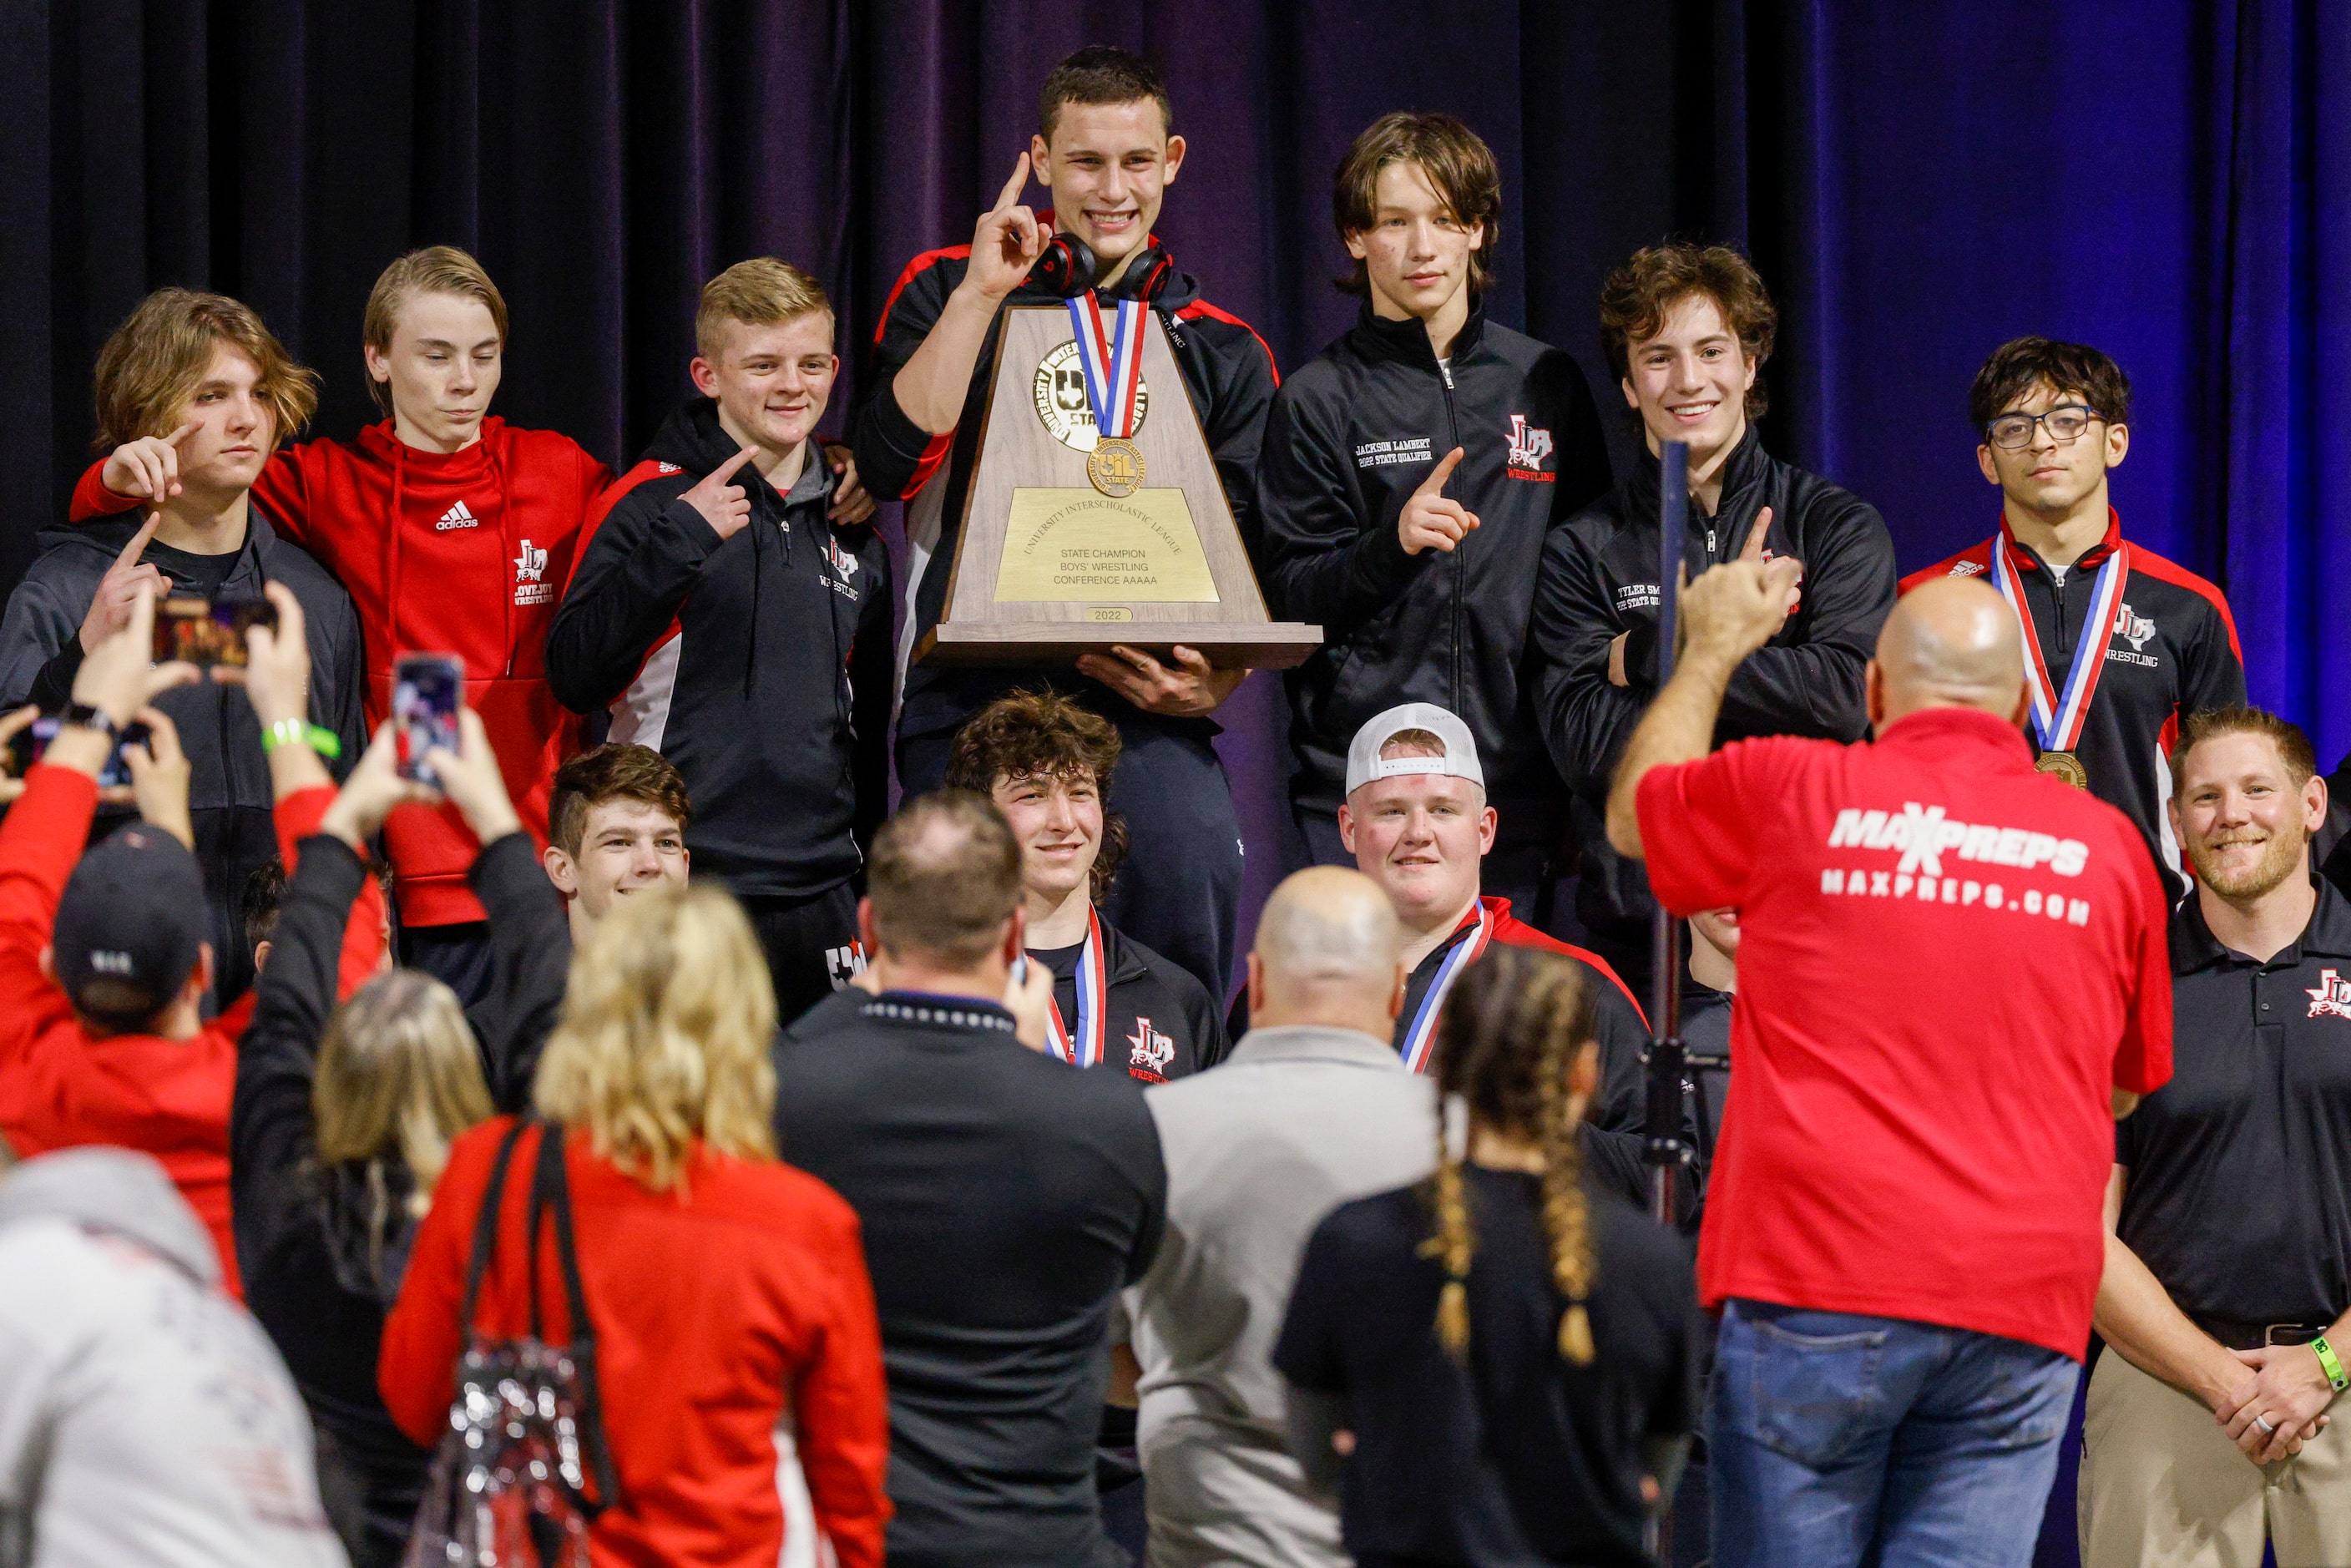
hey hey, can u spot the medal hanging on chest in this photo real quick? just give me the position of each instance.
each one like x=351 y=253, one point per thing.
x=2058 y=715
x=1110 y=360
x=1083 y=1046
x=1420 y=1039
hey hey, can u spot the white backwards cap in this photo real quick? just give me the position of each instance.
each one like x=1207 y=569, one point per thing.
x=1364 y=762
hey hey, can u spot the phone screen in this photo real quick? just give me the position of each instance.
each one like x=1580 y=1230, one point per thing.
x=28 y=745
x=425 y=691
x=208 y=632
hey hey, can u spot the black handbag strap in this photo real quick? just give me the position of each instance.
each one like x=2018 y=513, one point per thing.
x=550 y=1193
x=485 y=1226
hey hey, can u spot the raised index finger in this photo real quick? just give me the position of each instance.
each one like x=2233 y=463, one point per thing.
x=180 y=434
x=1015 y=185
x=137 y=544
x=1756 y=534
x=726 y=471
x=1442 y=472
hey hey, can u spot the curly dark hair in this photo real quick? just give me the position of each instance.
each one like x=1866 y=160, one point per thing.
x=1042 y=734
x=1637 y=297
x=1507 y=1043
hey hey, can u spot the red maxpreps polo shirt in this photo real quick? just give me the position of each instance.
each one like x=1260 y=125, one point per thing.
x=1946 y=961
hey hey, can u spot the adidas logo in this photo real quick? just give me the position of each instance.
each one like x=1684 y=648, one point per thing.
x=456 y=517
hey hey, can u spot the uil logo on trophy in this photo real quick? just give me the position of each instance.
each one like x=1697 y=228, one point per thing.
x=1088 y=522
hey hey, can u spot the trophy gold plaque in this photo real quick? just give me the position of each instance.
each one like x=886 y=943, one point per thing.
x=1094 y=516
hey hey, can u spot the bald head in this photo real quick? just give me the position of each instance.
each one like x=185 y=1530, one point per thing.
x=1950 y=642
x=1329 y=950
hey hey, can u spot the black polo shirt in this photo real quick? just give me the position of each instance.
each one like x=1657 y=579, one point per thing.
x=2237 y=1195
x=1004 y=1200
x=1517 y=1456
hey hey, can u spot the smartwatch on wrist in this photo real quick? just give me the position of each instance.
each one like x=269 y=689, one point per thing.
x=87 y=717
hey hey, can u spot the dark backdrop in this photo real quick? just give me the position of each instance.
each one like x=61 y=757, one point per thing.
x=2165 y=178
x=1918 y=181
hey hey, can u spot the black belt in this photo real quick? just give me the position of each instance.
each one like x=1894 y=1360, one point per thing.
x=2245 y=1334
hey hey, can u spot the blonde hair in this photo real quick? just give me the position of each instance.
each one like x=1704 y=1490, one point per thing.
x=1507 y=1044
x=158 y=357
x=664 y=1036
x=398 y=1073
x=760 y=292
x=436 y=269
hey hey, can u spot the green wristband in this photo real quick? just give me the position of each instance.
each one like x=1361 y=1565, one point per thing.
x=2330 y=1363
x=293 y=731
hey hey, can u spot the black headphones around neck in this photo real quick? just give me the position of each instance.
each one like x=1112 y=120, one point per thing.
x=1069 y=267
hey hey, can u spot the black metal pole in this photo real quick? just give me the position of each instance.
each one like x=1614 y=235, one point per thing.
x=1661 y=1144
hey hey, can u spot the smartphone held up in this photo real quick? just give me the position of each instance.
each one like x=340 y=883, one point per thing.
x=426 y=689
x=206 y=633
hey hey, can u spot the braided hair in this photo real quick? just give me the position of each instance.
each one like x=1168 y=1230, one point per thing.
x=1507 y=1043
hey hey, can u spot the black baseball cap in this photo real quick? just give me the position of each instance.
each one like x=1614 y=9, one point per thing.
x=129 y=926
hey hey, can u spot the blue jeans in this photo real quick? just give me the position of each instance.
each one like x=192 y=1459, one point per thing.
x=1841 y=1441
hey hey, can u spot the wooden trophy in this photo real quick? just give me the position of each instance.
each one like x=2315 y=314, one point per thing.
x=1073 y=539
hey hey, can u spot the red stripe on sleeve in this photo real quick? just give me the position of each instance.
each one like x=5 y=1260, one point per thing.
x=1200 y=308
x=915 y=267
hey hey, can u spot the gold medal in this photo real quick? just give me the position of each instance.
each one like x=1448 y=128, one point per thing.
x=2063 y=765
x=1114 y=466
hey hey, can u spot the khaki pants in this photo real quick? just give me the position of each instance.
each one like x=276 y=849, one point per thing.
x=2162 y=1487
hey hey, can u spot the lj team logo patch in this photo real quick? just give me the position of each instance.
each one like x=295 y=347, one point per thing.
x=532 y=586
x=844 y=566
x=2132 y=627
x=1149 y=1053
x=1529 y=445
x=2331 y=998
x=842 y=964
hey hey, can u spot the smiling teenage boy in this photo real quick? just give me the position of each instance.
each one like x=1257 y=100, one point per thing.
x=1410 y=477
x=1687 y=330
x=1106 y=149
x=2120 y=645
x=201 y=373
x=731 y=624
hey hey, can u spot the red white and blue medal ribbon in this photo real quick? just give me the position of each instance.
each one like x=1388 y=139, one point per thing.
x=1082 y=1047
x=2057 y=716
x=1110 y=353
x=1421 y=1037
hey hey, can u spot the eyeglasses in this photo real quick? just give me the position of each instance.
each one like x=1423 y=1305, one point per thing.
x=2066 y=423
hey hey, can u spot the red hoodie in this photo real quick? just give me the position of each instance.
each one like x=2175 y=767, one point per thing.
x=60 y=1088
x=475 y=566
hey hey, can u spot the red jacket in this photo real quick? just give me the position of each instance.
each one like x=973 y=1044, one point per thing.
x=169 y=1098
x=722 y=1310
x=474 y=565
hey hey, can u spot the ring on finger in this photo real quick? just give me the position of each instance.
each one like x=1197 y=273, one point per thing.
x=2264 y=1423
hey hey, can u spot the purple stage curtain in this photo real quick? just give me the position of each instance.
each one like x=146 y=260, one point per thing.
x=2166 y=178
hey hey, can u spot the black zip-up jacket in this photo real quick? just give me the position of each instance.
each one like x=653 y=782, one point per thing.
x=319 y=1269
x=1351 y=438
x=1161 y=1024
x=1599 y=577
x=759 y=665
x=230 y=803
x=2173 y=652
x=1227 y=370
